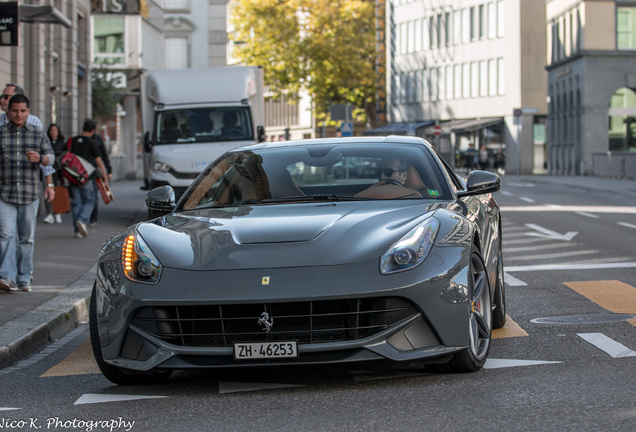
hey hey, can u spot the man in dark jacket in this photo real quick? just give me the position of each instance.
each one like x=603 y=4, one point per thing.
x=104 y=155
x=83 y=197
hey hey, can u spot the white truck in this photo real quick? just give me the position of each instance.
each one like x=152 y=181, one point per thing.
x=192 y=116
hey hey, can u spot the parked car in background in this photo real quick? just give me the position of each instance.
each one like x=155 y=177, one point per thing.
x=270 y=258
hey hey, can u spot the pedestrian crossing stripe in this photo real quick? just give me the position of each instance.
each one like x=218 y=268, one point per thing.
x=613 y=295
x=511 y=329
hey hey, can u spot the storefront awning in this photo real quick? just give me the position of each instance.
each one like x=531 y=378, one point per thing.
x=476 y=124
x=43 y=14
x=404 y=128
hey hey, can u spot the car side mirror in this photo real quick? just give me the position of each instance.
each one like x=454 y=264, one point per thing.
x=161 y=199
x=480 y=182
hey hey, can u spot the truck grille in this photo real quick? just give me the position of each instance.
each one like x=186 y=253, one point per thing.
x=307 y=322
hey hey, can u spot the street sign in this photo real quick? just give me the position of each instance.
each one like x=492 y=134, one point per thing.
x=437 y=130
x=346 y=129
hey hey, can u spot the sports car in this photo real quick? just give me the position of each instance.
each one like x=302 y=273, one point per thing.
x=285 y=253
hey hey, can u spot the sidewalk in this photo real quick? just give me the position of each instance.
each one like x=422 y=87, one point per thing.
x=65 y=267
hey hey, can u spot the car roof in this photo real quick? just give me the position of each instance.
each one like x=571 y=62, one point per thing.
x=396 y=139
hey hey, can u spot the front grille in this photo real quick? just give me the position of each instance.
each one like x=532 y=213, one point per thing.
x=307 y=322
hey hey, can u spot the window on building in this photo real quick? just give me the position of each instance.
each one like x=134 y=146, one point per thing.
x=474 y=79
x=432 y=31
x=403 y=38
x=457 y=74
x=108 y=43
x=447 y=29
x=465 y=80
x=500 y=19
x=471 y=21
x=410 y=35
x=482 y=21
x=466 y=27
x=457 y=27
x=448 y=75
x=426 y=35
x=434 y=86
x=622 y=120
x=492 y=21
x=501 y=76
x=483 y=78
x=425 y=86
x=418 y=35
x=410 y=88
x=492 y=77
x=176 y=49
x=440 y=30
x=626 y=28
x=441 y=84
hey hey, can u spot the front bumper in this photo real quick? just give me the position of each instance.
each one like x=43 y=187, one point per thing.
x=434 y=328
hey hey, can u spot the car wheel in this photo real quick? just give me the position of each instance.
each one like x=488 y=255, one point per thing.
x=499 y=306
x=115 y=374
x=479 y=321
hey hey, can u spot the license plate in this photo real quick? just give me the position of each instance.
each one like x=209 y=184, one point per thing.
x=265 y=350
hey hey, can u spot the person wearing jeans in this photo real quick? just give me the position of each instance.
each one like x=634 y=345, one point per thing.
x=24 y=147
x=83 y=197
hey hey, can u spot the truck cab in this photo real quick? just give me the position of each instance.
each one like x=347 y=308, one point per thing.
x=192 y=116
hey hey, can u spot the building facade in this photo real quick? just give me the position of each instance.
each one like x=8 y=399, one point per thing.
x=591 y=64
x=475 y=69
x=51 y=61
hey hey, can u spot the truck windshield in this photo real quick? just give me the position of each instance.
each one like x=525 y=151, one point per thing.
x=210 y=124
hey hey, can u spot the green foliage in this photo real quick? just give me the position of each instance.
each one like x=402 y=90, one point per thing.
x=325 y=47
x=105 y=94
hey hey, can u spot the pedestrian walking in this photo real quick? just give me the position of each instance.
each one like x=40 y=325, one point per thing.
x=47 y=171
x=483 y=157
x=83 y=197
x=24 y=147
x=104 y=154
x=59 y=146
x=471 y=156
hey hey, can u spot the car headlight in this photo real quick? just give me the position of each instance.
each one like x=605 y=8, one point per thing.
x=411 y=249
x=138 y=261
x=161 y=166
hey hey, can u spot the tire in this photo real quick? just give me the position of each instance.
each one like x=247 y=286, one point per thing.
x=499 y=305
x=479 y=321
x=115 y=374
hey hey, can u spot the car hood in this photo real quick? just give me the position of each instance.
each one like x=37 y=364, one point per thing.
x=293 y=235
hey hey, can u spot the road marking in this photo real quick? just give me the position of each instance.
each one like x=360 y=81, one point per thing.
x=235 y=387
x=511 y=329
x=612 y=295
x=528 y=200
x=506 y=193
x=80 y=362
x=627 y=225
x=586 y=214
x=610 y=346
x=504 y=363
x=513 y=281
x=572 y=209
x=91 y=398
x=553 y=235
x=590 y=266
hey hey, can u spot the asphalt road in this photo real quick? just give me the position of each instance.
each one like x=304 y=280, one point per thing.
x=565 y=361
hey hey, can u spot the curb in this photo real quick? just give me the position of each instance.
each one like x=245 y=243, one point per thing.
x=47 y=322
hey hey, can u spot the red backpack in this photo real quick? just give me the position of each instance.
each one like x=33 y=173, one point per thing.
x=75 y=169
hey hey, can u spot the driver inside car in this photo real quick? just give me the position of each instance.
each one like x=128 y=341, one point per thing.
x=392 y=174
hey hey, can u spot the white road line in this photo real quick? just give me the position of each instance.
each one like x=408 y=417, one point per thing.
x=91 y=398
x=570 y=267
x=513 y=281
x=503 y=363
x=564 y=208
x=625 y=224
x=586 y=214
x=526 y=199
x=506 y=193
x=610 y=346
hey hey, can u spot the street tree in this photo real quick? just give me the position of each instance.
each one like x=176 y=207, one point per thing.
x=324 y=47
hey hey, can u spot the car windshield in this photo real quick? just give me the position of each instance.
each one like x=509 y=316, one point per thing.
x=313 y=172
x=209 y=124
